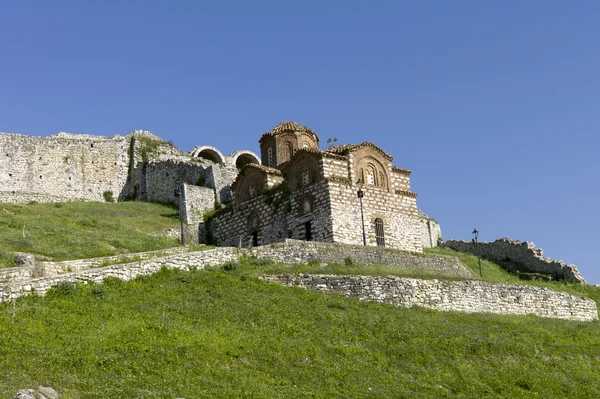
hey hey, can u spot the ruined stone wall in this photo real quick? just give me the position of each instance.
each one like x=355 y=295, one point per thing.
x=161 y=178
x=195 y=201
x=61 y=167
x=458 y=296
x=525 y=253
x=431 y=234
x=66 y=166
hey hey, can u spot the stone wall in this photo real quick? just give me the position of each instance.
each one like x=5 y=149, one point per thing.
x=139 y=165
x=397 y=210
x=431 y=234
x=161 y=178
x=524 y=253
x=18 y=282
x=294 y=251
x=44 y=268
x=459 y=296
x=466 y=296
x=61 y=167
x=195 y=201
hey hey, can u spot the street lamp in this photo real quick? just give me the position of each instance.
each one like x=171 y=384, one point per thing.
x=475 y=236
x=361 y=194
x=177 y=194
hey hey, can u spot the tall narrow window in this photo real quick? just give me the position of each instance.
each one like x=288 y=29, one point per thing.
x=255 y=238
x=370 y=176
x=270 y=157
x=379 y=234
x=252 y=192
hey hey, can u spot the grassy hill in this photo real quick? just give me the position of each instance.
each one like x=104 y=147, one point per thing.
x=75 y=230
x=225 y=333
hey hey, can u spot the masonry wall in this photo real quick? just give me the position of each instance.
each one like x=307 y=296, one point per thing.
x=61 y=167
x=195 y=201
x=466 y=296
x=431 y=234
x=161 y=178
x=459 y=296
x=20 y=281
x=525 y=253
x=398 y=211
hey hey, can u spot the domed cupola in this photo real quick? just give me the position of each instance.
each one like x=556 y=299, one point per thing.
x=281 y=143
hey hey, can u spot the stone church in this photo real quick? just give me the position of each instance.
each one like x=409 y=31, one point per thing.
x=302 y=192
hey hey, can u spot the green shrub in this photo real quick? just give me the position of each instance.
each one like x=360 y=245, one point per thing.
x=62 y=288
x=108 y=196
x=231 y=266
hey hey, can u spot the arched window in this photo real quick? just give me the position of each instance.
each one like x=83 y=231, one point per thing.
x=252 y=192
x=270 y=157
x=370 y=177
x=305 y=145
x=379 y=234
x=306 y=206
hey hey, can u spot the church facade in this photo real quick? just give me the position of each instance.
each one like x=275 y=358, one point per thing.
x=302 y=192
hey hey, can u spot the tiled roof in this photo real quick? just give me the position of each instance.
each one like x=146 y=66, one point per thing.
x=289 y=127
x=267 y=169
x=401 y=170
x=345 y=149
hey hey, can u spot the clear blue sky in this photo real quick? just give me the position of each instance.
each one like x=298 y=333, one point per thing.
x=494 y=106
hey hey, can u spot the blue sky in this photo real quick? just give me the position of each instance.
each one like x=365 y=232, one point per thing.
x=492 y=105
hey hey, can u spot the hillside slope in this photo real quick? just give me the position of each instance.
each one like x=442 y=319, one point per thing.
x=224 y=333
x=74 y=230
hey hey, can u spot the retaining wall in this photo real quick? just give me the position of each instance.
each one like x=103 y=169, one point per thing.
x=461 y=296
x=525 y=253
x=290 y=252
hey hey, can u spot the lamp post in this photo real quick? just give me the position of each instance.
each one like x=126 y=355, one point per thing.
x=475 y=236
x=360 y=195
x=177 y=194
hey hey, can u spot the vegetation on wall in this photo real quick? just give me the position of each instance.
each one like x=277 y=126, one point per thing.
x=149 y=146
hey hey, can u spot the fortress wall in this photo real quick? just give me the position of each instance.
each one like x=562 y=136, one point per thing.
x=524 y=253
x=161 y=177
x=457 y=296
x=61 y=167
x=195 y=201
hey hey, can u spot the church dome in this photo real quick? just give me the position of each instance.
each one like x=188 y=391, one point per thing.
x=289 y=127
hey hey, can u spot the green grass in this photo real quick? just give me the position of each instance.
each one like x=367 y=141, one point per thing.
x=224 y=334
x=76 y=230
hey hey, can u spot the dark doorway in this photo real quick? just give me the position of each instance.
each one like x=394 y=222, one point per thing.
x=307 y=231
x=255 y=239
